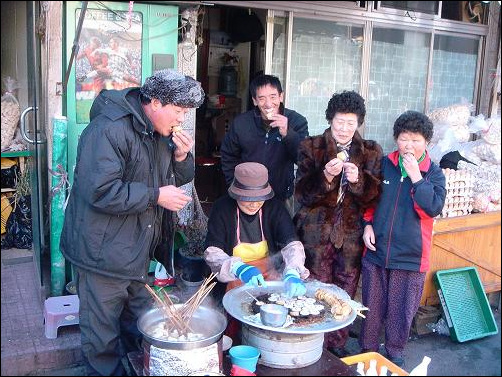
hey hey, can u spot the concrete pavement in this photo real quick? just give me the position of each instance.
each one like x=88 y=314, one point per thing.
x=26 y=350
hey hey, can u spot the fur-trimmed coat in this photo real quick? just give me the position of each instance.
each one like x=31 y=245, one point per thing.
x=320 y=220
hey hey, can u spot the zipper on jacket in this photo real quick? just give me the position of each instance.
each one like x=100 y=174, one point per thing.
x=151 y=146
x=392 y=223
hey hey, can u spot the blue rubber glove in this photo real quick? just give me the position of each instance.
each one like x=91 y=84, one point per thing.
x=249 y=275
x=294 y=285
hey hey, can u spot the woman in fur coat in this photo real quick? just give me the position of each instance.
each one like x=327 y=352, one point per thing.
x=338 y=177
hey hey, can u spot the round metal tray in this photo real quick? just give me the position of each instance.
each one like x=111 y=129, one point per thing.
x=237 y=303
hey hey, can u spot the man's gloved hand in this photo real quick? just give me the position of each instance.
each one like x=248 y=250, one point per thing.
x=294 y=285
x=248 y=274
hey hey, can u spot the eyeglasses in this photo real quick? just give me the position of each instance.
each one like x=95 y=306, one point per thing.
x=339 y=123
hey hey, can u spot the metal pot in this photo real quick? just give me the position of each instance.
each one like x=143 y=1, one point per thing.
x=207 y=321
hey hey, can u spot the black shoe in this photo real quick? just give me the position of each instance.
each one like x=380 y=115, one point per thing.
x=353 y=334
x=339 y=352
x=399 y=361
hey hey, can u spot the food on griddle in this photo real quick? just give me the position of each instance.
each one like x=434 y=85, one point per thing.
x=304 y=310
x=339 y=307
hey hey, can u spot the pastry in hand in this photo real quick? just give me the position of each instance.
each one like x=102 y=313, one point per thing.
x=176 y=129
x=343 y=155
x=269 y=114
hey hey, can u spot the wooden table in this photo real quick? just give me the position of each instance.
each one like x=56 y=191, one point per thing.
x=465 y=241
x=328 y=365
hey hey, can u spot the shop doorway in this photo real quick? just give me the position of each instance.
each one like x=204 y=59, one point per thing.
x=230 y=56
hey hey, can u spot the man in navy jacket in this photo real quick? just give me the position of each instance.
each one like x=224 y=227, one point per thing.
x=269 y=134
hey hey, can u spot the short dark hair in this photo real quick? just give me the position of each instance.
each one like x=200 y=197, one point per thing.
x=263 y=80
x=416 y=122
x=346 y=102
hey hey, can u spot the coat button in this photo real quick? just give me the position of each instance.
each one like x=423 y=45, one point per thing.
x=149 y=225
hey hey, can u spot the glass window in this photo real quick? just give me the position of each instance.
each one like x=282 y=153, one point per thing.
x=453 y=71
x=429 y=7
x=466 y=11
x=279 y=49
x=325 y=58
x=398 y=76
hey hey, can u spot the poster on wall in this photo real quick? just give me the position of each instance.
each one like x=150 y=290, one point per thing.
x=109 y=55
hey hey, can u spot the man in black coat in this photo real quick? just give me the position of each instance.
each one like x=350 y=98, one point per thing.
x=269 y=134
x=131 y=160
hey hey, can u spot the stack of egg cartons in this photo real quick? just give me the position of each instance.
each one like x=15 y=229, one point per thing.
x=459 y=193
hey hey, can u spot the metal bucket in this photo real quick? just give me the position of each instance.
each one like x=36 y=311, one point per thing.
x=209 y=322
x=283 y=350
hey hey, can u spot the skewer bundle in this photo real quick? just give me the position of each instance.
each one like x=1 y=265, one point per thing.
x=178 y=318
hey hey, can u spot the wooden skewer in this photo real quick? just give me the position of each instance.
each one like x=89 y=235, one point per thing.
x=168 y=309
x=360 y=314
x=179 y=318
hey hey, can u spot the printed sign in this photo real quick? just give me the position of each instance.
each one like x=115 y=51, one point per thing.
x=109 y=55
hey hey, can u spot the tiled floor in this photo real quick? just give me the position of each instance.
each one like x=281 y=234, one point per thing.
x=25 y=349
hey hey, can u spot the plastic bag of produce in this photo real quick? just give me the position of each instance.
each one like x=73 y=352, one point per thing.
x=18 y=227
x=10 y=112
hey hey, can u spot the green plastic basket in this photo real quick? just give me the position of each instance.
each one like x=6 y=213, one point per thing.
x=465 y=304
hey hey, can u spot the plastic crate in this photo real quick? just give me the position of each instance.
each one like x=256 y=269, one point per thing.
x=465 y=304
x=366 y=357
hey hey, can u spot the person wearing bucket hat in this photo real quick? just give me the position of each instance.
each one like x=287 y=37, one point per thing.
x=124 y=193
x=251 y=235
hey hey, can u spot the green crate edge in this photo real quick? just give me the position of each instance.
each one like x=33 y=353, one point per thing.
x=483 y=300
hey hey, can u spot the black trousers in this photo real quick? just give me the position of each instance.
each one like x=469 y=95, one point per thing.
x=109 y=310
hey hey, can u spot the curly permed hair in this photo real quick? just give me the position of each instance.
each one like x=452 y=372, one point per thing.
x=346 y=102
x=416 y=122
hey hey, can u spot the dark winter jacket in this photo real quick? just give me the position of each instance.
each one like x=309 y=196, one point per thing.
x=222 y=227
x=319 y=220
x=404 y=217
x=248 y=141
x=112 y=222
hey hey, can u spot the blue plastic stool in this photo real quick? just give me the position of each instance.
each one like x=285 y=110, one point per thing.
x=60 y=311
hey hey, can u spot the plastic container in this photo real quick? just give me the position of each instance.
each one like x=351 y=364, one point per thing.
x=465 y=304
x=421 y=369
x=366 y=357
x=245 y=357
x=238 y=371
